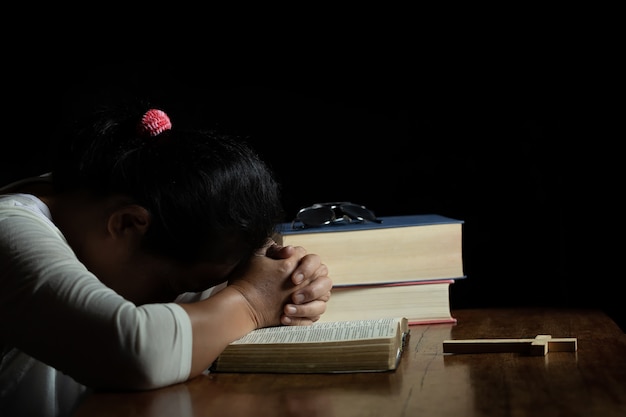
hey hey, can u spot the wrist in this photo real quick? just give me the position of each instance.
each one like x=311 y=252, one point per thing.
x=242 y=312
x=237 y=308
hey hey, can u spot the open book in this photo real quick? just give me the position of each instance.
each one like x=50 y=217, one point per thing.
x=374 y=345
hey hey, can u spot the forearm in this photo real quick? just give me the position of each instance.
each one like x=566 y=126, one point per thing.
x=257 y=296
x=222 y=318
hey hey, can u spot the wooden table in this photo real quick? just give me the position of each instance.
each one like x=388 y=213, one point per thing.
x=589 y=382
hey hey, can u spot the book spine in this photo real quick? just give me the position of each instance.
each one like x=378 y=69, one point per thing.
x=450 y=320
x=397 y=283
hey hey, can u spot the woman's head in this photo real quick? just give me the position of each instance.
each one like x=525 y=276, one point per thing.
x=207 y=194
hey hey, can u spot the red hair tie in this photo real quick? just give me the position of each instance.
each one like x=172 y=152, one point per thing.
x=154 y=122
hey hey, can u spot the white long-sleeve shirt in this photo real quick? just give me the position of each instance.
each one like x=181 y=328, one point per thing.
x=62 y=330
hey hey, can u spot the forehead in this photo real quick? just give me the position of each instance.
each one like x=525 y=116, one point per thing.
x=204 y=275
x=221 y=258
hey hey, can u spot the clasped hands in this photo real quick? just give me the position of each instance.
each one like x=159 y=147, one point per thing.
x=284 y=285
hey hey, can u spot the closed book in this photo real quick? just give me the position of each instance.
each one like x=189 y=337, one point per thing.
x=400 y=248
x=421 y=302
x=324 y=347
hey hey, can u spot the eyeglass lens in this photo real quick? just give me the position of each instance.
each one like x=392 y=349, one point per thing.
x=316 y=216
x=358 y=212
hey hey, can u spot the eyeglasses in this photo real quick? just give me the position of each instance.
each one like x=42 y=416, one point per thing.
x=322 y=214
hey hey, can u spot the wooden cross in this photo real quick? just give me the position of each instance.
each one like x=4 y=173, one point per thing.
x=539 y=346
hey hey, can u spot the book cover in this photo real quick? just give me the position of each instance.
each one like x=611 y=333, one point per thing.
x=400 y=248
x=421 y=302
x=386 y=223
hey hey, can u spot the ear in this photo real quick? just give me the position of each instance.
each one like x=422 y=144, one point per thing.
x=129 y=221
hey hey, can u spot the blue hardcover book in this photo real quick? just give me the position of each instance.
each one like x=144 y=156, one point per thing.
x=396 y=249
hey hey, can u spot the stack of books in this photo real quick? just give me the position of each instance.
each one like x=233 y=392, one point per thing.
x=401 y=267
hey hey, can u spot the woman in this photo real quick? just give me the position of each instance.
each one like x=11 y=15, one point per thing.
x=143 y=253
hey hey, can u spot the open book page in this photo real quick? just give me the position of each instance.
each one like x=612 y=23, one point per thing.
x=326 y=332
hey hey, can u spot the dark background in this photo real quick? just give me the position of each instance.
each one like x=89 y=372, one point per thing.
x=519 y=145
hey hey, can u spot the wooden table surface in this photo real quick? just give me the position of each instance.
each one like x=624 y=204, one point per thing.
x=589 y=382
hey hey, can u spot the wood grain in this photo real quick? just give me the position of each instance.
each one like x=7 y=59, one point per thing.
x=428 y=382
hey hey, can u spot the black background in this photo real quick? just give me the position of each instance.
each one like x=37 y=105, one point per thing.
x=516 y=140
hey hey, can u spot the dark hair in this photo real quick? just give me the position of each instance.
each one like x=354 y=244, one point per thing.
x=204 y=190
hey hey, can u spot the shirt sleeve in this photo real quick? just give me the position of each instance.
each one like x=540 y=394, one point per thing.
x=54 y=309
